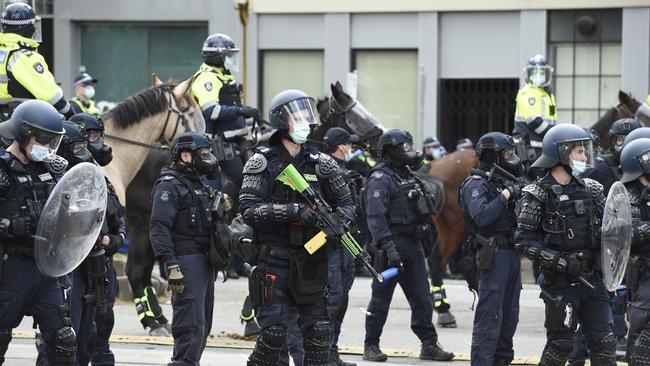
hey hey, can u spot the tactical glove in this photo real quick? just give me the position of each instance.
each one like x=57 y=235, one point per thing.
x=576 y=265
x=175 y=282
x=250 y=112
x=20 y=225
x=307 y=215
x=227 y=202
x=392 y=255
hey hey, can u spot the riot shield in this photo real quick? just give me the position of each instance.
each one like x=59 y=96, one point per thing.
x=70 y=220
x=616 y=236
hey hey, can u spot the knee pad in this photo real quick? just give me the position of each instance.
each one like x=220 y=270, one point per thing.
x=640 y=353
x=268 y=346
x=603 y=352
x=317 y=341
x=63 y=348
x=556 y=352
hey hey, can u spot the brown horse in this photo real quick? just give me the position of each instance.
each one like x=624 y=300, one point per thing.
x=628 y=107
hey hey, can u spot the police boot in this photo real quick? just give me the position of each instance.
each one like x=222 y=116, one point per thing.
x=501 y=361
x=340 y=362
x=603 y=353
x=556 y=352
x=446 y=320
x=431 y=350
x=371 y=352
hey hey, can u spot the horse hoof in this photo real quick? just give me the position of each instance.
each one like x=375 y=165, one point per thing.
x=159 y=332
x=446 y=320
x=168 y=327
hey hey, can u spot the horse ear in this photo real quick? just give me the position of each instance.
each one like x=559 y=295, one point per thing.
x=623 y=97
x=155 y=80
x=182 y=88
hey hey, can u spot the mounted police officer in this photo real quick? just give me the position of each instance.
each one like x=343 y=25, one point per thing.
x=432 y=149
x=342 y=266
x=399 y=209
x=111 y=238
x=283 y=223
x=219 y=95
x=606 y=169
x=635 y=162
x=84 y=88
x=558 y=224
x=181 y=232
x=24 y=73
x=487 y=202
x=536 y=111
x=28 y=172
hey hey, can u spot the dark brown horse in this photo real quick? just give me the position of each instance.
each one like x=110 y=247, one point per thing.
x=628 y=107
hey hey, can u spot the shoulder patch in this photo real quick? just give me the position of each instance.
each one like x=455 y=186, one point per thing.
x=377 y=174
x=531 y=101
x=475 y=193
x=39 y=68
x=164 y=196
x=208 y=86
x=536 y=191
x=594 y=187
x=256 y=164
x=326 y=166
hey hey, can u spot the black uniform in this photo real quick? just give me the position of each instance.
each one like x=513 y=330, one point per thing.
x=292 y=275
x=181 y=221
x=559 y=225
x=606 y=171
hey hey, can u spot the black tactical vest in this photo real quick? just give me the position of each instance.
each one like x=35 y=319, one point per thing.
x=230 y=92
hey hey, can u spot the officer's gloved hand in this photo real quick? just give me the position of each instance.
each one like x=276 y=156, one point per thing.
x=175 y=281
x=576 y=265
x=307 y=215
x=227 y=202
x=394 y=260
x=20 y=225
x=250 y=112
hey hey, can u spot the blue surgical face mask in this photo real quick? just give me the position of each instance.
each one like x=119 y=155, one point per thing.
x=348 y=155
x=39 y=153
x=439 y=152
x=578 y=167
x=230 y=64
x=300 y=133
x=89 y=91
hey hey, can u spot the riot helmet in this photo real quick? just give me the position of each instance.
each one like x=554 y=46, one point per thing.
x=538 y=72
x=37 y=127
x=74 y=144
x=464 y=143
x=396 y=147
x=21 y=19
x=617 y=133
x=635 y=159
x=641 y=132
x=294 y=113
x=567 y=145
x=203 y=162
x=498 y=148
x=101 y=151
x=219 y=50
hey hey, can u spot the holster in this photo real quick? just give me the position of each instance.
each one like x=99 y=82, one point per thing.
x=487 y=249
x=560 y=313
x=423 y=233
x=467 y=266
x=218 y=147
x=260 y=287
x=96 y=271
x=633 y=272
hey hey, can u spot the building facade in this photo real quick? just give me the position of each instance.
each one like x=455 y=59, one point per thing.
x=449 y=69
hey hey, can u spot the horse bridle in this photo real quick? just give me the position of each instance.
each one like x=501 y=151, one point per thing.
x=163 y=143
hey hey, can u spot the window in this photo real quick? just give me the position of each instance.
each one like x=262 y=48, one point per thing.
x=123 y=57
x=283 y=70
x=387 y=86
x=585 y=50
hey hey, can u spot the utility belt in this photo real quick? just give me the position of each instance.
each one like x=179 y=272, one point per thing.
x=188 y=247
x=420 y=232
x=637 y=267
x=15 y=249
x=485 y=248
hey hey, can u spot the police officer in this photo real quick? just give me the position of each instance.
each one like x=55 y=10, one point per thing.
x=432 y=149
x=558 y=224
x=180 y=233
x=283 y=223
x=536 y=111
x=635 y=161
x=84 y=88
x=606 y=169
x=112 y=236
x=399 y=211
x=28 y=172
x=487 y=202
x=24 y=73
x=219 y=95
x=341 y=266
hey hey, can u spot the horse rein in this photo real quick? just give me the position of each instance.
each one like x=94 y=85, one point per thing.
x=163 y=143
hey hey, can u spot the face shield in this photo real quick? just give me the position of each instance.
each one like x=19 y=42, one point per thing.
x=38 y=31
x=230 y=61
x=539 y=75
x=298 y=112
x=577 y=154
x=43 y=145
x=510 y=162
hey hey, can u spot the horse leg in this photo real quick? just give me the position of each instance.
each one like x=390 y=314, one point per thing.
x=439 y=297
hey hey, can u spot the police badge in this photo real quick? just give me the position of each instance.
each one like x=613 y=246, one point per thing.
x=39 y=68
x=208 y=86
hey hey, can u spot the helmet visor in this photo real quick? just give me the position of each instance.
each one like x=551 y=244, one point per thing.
x=576 y=151
x=297 y=112
x=539 y=75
